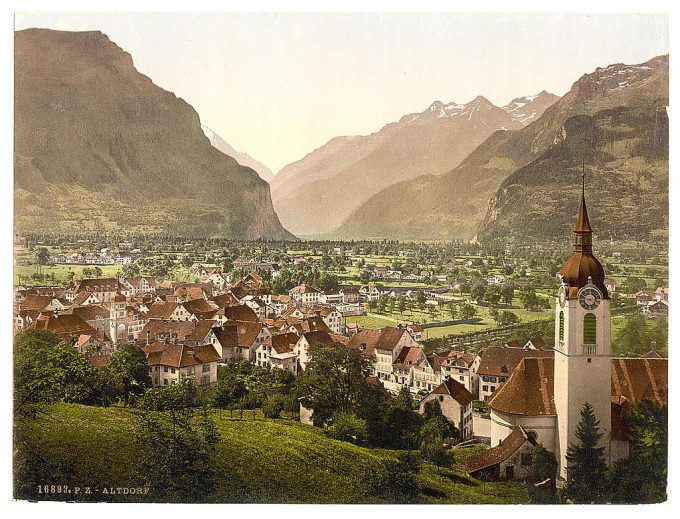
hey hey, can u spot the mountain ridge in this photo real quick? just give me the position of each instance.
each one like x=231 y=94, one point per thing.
x=109 y=149
x=452 y=205
x=353 y=168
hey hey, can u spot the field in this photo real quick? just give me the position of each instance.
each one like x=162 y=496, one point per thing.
x=258 y=460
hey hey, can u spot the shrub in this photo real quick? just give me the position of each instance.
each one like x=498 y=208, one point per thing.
x=347 y=427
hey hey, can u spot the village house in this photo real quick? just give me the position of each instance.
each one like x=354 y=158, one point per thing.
x=369 y=293
x=655 y=310
x=103 y=288
x=307 y=340
x=278 y=351
x=305 y=294
x=175 y=363
x=661 y=294
x=135 y=286
x=458 y=366
x=493 y=366
x=511 y=459
x=350 y=295
x=455 y=402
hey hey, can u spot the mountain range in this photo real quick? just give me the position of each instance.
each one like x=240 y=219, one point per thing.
x=242 y=158
x=351 y=169
x=99 y=146
x=482 y=194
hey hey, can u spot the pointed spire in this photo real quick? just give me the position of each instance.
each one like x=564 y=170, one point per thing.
x=582 y=222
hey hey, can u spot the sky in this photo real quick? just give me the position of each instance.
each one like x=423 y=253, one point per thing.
x=279 y=85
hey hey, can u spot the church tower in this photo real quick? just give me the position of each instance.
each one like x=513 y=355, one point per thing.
x=582 y=341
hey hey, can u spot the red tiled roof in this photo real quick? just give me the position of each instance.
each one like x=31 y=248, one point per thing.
x=369 y=338
x=240 y=313
x=389 y=338
x=455 y=389
x=529 y=390
x=284 y=342
x=154 y=329
x=499 y=453
x=500 y=362
x=65 y=326
x=161 y=310
x=408 y=356
x=178 y=355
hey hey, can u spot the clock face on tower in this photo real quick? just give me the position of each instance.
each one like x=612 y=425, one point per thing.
x=562 y=296
x=589 y=298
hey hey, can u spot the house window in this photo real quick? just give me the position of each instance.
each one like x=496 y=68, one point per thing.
x=191 y=370
x=441 y=398
x=589 y=329
x=206 y=368
x=492 y=388
x=172 y=370
x=165 y=381
x=461 y=378
x=485 y=388
x=165 y=369
x=561 y=326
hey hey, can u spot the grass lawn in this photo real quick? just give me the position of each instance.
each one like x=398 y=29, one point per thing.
x=264 y=461
x=370 y=321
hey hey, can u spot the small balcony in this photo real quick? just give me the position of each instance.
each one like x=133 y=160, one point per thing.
x=590 y=349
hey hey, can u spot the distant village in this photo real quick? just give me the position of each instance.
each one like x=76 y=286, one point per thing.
x=186 y=330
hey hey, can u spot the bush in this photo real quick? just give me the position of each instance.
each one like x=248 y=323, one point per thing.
x=348 y=427
x=273 y=406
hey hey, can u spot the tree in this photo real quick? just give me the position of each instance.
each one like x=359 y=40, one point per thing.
x=478 y=291
x=541 y=486
x=399 y=424
x=467 y=311
x=633 y=338
x=506 y=318
x=177 y=447
x=633 y=285
x=508 y=292
x=130 y=270
x=97 y=272
x=129 y=366
x=274 y=406
x=394 y=480
x=348 y=427
x=493 y=295
x=47 y=370
x=420 y=297
x=585 y=460
x=643 y=476
x=365 y=276
x=432 y=442
x=401 y=305
x=529 y=298
x=453 y=310
x=334 y=381
x=42 y=255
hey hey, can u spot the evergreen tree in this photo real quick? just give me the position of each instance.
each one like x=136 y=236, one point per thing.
x=541 y=487
x=586 y=466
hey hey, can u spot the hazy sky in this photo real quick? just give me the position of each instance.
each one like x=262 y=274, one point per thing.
x=277 y=86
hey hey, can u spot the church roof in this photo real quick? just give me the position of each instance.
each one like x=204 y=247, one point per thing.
x=530 y=389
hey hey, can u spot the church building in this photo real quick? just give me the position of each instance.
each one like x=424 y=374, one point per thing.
x=543 y=397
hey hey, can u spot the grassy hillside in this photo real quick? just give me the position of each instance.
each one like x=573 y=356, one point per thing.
x=264 y=461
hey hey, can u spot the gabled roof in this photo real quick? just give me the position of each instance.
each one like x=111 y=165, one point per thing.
x=284 y=342
x=91 y=312
x=240 y=313
x=640 y=379
x=455 y=389
x=98 y=285
x=389 y=338
x=319 y=338
x=408 y=356
x=65 y=326
x=201 y=330
x=365 y=341
x=178 y=355
x=238 y=333
x=500 y=362
x=154 y=329
x=36 y=302
x=227 y=299
x=304 y=288
x=499 y=453
x=198 y=306
x=161 y=310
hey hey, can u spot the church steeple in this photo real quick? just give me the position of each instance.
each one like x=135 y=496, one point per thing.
x=582 y=264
